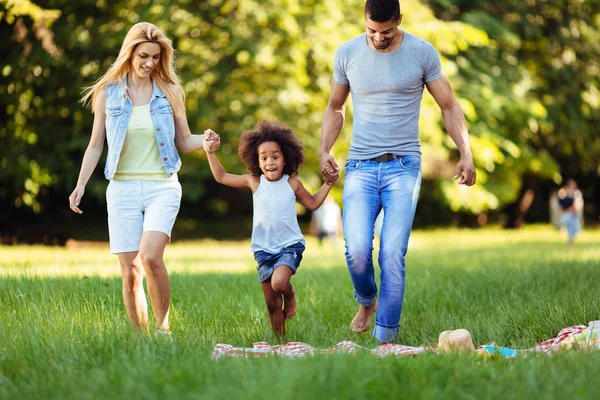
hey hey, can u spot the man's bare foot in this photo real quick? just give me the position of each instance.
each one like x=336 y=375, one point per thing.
x=362 y=319
x=289 y=304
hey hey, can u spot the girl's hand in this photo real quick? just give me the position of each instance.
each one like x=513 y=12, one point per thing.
x=331 y=178
x=75 y=199
x=212 y=141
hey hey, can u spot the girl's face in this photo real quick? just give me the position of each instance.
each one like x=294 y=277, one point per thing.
x=145 y=58
x=270 y=160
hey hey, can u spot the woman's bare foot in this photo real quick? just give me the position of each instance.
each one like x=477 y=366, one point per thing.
x=362 y=319
x=289 y=304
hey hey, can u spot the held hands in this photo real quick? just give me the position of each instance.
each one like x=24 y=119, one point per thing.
x=212 y=141
x=75 y=199
x=330 y=180
x=465 y=170
x=329 y=168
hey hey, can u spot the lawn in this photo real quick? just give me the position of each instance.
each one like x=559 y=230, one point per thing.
x=64 y=332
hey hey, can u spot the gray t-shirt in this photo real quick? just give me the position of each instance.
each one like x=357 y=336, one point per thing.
x=386 y=93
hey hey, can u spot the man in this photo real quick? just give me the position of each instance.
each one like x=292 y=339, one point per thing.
x=385 y=69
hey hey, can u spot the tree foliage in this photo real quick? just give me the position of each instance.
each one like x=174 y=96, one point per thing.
x=534 y=88
x=530 y=101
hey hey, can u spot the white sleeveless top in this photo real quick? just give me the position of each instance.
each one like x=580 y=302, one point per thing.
x=275 y=222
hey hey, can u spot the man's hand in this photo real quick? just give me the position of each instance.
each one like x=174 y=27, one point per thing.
x=212 y=141
x=329 y=168
x=465 y=170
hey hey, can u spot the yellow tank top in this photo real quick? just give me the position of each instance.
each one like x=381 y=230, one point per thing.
x=140 y=157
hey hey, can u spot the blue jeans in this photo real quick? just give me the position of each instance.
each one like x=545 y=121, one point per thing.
x=571 y=222
x=370 y=186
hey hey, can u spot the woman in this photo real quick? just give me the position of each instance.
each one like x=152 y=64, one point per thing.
x=139 y=105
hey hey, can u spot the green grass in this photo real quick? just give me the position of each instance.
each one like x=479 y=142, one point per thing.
x=64 y=332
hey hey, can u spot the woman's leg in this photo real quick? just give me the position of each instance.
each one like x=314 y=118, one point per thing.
x=274 y=303
x=280 y=282
x=152 y=250
x=134 y=297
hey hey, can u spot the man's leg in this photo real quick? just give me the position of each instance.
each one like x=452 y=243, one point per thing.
x=361 y=206
x=400 y=186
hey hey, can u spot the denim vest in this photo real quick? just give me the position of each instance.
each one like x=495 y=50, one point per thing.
x=118 y=114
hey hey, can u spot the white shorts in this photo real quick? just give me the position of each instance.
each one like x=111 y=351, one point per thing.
x=138 y=206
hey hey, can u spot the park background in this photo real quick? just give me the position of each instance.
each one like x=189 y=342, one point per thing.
x=527 y=75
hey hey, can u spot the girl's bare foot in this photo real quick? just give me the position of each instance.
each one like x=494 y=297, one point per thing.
x=362 y=320
x=289 y=304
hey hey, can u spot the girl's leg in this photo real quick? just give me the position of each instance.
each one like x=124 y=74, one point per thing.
x=280 y=282
x=133 y=290
x=152 y=249
x=274 y=307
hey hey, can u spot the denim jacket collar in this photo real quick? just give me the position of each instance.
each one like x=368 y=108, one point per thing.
x=156 y=92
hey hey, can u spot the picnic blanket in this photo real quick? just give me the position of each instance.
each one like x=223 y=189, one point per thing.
x=565 y=339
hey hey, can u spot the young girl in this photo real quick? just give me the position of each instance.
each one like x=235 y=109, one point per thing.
x=273 y=155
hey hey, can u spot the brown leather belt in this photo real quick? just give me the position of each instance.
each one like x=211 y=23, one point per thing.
x=386 y=157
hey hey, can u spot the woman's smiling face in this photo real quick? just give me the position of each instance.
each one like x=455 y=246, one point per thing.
x=145 y=58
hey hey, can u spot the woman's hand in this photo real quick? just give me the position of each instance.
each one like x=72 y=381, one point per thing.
x=75 y=198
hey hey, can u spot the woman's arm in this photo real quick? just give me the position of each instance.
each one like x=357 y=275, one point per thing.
x=305 y=198
x=185 y=140
x=92 y=153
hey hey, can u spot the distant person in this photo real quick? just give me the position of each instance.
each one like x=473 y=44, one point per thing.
x=568 y=199
x=326 y=221
x=273 y=154
x=555 y=211
x=138 y=107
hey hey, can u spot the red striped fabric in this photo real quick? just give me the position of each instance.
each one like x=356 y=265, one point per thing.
x=299 y=349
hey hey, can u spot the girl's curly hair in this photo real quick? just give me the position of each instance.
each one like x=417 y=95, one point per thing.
x=269 y=131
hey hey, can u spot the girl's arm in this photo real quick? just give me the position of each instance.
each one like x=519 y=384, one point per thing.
x=92 y=153
x=305 y=198
x=186 y=141
x=221 y=176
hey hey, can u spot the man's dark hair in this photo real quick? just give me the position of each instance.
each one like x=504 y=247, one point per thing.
x=382 y=10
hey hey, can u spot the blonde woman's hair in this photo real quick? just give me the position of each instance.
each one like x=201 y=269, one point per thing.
x=163 y=75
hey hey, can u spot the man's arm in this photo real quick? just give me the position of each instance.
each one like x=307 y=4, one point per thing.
x=333 y=120
x=456 y=126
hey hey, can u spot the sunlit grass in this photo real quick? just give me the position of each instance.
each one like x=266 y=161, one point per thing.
x=65 y=334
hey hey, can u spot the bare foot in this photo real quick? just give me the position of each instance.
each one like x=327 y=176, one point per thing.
x=289 y=305
x=362 y=319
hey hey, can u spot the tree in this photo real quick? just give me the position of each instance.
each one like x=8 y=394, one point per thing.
x=542 y=95
x=240 y=61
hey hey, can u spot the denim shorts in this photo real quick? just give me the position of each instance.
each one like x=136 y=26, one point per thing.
x=267 y=262
x=138 y=206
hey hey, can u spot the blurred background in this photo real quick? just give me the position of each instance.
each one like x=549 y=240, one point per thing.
x=526 y=73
